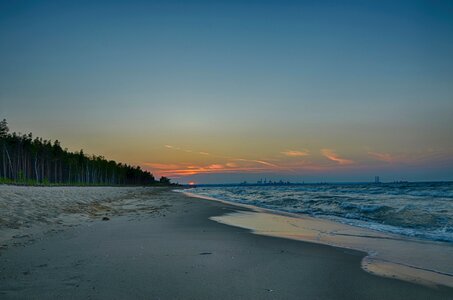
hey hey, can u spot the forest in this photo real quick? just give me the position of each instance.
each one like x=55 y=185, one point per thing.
x=37 y=161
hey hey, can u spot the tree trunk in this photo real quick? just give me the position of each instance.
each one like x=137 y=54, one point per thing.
x=36 y=168
x=9 y=159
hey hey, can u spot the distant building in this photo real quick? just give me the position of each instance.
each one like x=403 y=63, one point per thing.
x=376 y=179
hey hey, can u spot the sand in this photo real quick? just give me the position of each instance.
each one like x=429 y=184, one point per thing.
x=396 y=256
x=26 y=213
x=176 y=252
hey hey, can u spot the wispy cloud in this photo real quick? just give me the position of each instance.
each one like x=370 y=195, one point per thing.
x=211 y=163
x=295 y=153
x=233 y=163
x=330 y=154
x=262 y=162
x=387 y=157
x=186 y=150
x=413 y=157
x=160 y=166
x=216 y=167
x=177 y=170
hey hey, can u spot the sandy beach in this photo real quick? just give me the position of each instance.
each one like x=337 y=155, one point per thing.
x=153 y=243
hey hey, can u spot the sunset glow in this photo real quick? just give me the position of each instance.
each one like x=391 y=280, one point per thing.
x=232 y=91
x=286 y=163
x=226 y=149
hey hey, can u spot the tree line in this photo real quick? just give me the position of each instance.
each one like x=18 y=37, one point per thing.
x=28 y=160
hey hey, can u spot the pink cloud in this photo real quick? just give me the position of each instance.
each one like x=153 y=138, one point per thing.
x=216 y=167
x=160 y=166
x=330 y=154
x=185 y=169
x=416 y=157
x=295 y=153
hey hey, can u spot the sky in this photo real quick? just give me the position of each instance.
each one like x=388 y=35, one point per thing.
x=227 y=91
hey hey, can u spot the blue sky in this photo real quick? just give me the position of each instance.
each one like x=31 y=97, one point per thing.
x=318 y=90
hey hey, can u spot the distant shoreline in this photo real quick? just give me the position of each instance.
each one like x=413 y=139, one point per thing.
x=313 y=183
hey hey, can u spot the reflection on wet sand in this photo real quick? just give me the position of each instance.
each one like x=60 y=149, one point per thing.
x=389 y=255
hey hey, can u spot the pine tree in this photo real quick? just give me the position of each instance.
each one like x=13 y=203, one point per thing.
x=27 y=160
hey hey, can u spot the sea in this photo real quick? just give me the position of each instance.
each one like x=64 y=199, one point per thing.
x=422 y=210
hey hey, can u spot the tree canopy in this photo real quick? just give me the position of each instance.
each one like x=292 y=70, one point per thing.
x=25 y=159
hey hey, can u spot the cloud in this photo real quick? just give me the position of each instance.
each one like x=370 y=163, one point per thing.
x=262 y=162
x=330 y=154
x=387 y=157
x=419 y=156
x=295 y=153
x=186 y=150
x=178 y=170
x=227 y=164
x=160 y=166
x=229 y=158
x=216 y=167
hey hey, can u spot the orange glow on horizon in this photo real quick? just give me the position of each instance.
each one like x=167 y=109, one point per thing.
x=290 y=162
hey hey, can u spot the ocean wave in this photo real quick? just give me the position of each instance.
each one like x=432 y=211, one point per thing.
x=423 y=210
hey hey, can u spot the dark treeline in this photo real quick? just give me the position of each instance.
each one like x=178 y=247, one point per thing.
x=29 y=160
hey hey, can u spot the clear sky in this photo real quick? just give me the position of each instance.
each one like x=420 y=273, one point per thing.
x=225 y=91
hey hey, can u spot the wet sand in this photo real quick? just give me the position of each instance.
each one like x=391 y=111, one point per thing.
x=176 y=252
x=390 y=255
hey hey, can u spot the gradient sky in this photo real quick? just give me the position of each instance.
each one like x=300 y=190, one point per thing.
x=228 y=91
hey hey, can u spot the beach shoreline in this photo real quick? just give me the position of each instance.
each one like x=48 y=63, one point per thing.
x=387 y=254
x=180 y=253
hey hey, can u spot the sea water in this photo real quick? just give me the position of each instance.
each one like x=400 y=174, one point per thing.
x=422 y=210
